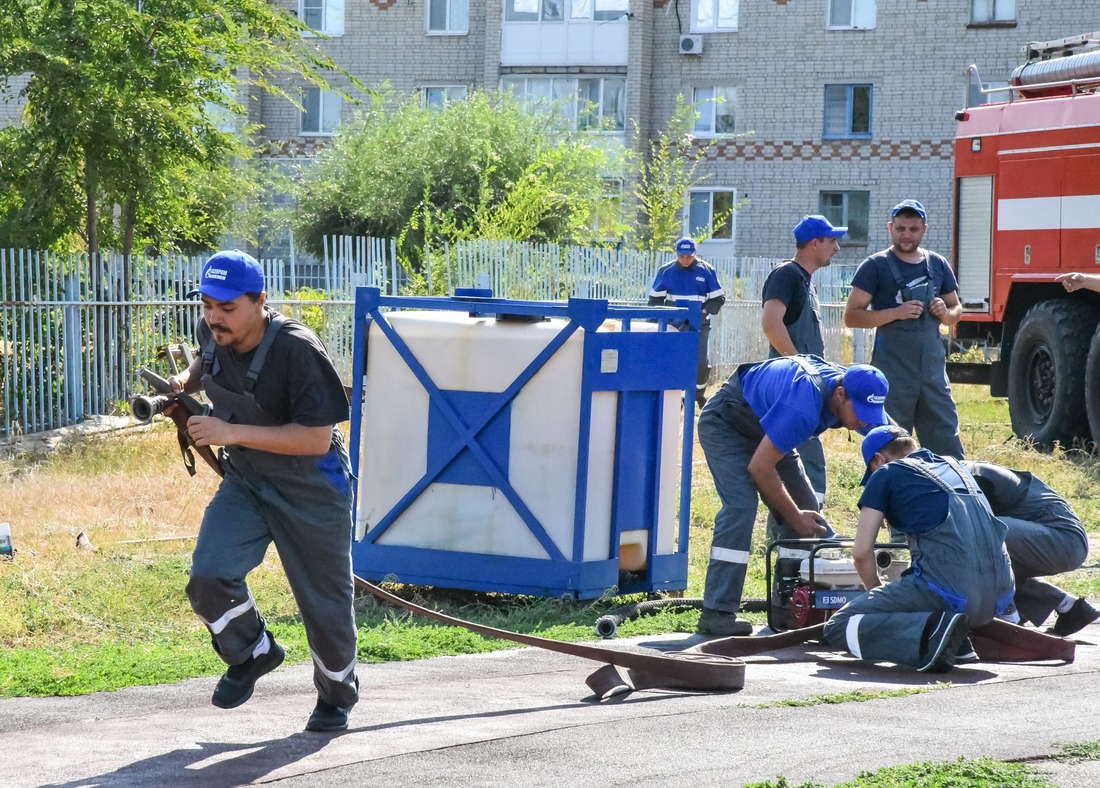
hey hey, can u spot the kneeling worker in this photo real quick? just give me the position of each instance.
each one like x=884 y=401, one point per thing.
x=961 y=575
x=1045 y=537
x=748 y=432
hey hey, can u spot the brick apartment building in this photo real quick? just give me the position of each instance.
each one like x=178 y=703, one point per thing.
x=841 y=107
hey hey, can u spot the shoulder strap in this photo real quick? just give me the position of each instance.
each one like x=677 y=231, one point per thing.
x=813 y=373
x=277 y=321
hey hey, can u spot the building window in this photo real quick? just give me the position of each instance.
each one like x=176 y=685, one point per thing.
x=991 y=12
x=534 y=10
x=848 y=209
x=588 y=103
x=847 y=111
x=324 y=16
x=449 y=17
x=710 y=215
x=322 y=111
x=715 y=107
x=975 y=97
x=442 y=95
x=713 y=16
x=851 y=14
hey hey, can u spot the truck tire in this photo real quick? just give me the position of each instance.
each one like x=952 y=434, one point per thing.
x=1046 y=379
x=1092 y=387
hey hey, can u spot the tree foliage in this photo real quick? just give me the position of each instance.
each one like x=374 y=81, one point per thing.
x=480 y=168
x=118 y=144
x=664 y=177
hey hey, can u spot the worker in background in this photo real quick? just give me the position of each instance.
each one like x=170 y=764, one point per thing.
x=906 y=293
x=1045 y=537
x=749 y=431
x=961 y=575
x=791 y=319
x=685 y=280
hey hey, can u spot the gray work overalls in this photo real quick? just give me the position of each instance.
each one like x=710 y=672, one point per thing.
x=912 y=356
x=960 y=566
x=1045 y=537
x=302 y=503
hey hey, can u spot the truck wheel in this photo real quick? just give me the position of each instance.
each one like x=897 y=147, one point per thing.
x=1046 y=379
x=1092 y=386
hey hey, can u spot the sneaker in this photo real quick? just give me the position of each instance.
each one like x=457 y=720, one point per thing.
x=236 y=684
x=1075 y=619
x=326 y=718
x=965 y=654
x=722 y=623
x=942 y=643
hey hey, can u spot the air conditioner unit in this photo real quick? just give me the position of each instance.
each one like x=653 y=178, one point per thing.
x=691 y=45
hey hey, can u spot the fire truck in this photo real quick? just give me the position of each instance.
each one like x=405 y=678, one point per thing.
x=1026 y=209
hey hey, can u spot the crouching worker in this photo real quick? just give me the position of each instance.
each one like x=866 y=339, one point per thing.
x=961 y=576
x=748 y=432
x=1045 y=537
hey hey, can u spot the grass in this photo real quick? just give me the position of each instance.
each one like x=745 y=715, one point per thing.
x=76 y=621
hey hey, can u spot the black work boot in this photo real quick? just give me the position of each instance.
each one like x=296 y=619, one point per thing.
x=1075 y=619
x=236 y=684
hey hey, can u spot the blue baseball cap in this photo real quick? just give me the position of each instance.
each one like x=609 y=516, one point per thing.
x=911 y=205
x=685 y=246
x=816 y=226
x=875 y=440
x=229 y=275
x=866 y=387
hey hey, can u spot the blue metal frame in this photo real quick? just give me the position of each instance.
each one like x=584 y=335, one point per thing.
x=649 y=364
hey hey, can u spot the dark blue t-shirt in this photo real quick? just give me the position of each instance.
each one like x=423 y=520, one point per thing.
x=788 y=283
x=875 y=276
x=912 y=503
x=788 y=403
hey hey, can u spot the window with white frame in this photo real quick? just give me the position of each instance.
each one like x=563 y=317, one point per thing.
x=713 y=16
x=849 y=209
x=589 y=103
x=710 y=214
x=321 y=113
x=448 y=17
x=324 y=16
x=976 y=97
x=534 y=10
x=715 y=108
x=990 y=12
x=852 y=14
x=442 y=95
x=847 y=111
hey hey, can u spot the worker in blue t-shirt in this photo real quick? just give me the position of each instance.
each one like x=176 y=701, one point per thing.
x=906 y=293
x=961 y=575
x=688 y=279
x=749 y=431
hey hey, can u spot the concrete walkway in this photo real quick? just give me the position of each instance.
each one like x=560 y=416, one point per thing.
x=525 y=717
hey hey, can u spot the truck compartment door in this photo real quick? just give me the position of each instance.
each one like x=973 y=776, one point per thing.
x=1081 y=212
x=974 y=226
x=1029 y=213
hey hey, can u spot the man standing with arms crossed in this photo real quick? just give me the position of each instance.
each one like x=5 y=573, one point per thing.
x=791 y=318
x=276 y=402
x=906 y=293
x=685 y=280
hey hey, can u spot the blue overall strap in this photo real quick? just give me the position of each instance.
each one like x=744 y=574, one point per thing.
x=277 y=321
x=956 y=602
x=814 y=374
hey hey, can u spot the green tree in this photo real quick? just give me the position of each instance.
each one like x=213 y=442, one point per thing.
x=118 y=144
x=484 y=167
x=662 y=179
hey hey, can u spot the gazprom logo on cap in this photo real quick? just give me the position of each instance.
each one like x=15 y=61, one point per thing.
x=876 y=399
x=217 y=273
